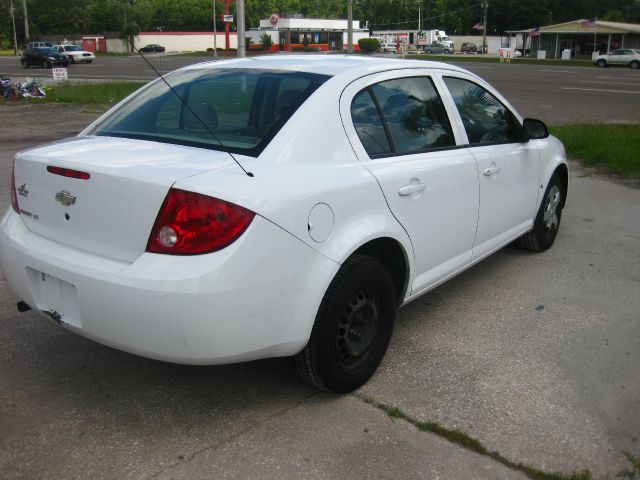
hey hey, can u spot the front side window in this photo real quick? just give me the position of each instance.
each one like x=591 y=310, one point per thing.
x=486 y=120
x=401 y=116
x=235 y=110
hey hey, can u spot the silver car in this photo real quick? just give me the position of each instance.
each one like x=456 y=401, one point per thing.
x=622 y=56
x=436 y=48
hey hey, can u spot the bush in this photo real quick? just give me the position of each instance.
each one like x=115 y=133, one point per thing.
x=266 y=41
x=369 y=44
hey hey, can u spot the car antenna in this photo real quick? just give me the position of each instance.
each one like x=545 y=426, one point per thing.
x=249 y=174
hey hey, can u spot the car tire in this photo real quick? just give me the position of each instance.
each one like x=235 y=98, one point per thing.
x=601 y=63
x=428 y=51
x=446 y=50
x=46 y=64
x=89 y=61
x=352 y=328
x=634 y=65
x=547 y=222
x=25 y=63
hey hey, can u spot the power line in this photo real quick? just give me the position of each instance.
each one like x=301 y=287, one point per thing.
x=430 y=18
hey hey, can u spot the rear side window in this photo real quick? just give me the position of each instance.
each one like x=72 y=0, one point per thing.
x=235 y=110
x=369 y=125
x=401 y=116
x=486 y=120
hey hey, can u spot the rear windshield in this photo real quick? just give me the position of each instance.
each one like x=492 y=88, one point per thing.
x=235 y=110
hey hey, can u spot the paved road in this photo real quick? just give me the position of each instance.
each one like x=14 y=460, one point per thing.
x=555 y=95
x=534 y=355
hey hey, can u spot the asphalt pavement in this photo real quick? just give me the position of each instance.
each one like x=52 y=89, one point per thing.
x=554 y=94
x=534 y=355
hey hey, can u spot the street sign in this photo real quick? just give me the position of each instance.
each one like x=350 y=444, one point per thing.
x=60 y=74
x=227 y=18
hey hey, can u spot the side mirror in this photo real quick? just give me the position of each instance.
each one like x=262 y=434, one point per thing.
x=534 y=129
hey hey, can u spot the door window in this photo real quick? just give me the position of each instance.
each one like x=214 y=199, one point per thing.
x=401 y=116
x=369 y=125
x=486 y=120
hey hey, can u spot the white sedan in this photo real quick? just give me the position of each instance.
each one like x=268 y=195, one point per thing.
x=388 y=47
x=277 y=206
x=76 y=54
x=623 y=56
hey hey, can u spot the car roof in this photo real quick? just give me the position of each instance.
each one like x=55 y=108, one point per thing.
x=334 y=65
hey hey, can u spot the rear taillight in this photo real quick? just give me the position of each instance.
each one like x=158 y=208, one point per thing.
x=190 y=223
x=68 y=172
x=14 y=194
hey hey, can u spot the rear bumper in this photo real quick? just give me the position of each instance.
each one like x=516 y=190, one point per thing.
x=256 y=298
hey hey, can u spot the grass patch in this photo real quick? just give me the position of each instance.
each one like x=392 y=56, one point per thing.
x=632 y=473
x=613 y=147
x=8 y=53
x=111 y=54
x=95 y=93
x=464 y=440
x=515 y=61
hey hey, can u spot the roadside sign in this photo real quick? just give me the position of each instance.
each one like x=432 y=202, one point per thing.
x=60 y=74
x=227 y=18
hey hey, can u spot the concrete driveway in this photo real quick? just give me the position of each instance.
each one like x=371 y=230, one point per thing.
x=533 y=355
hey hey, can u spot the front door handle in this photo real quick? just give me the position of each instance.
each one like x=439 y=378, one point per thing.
x=410 y=189
x=492 y=170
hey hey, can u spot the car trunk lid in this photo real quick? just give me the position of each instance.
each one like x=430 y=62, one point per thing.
x=112 y=212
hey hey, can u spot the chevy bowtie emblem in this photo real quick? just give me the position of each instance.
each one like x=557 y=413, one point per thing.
x=65 y=198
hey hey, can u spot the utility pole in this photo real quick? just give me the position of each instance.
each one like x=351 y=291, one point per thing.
x=350 y=26
x=485 y=7
x=26 y=21
x=242 y=48
x=215 y=31
x=13 y=22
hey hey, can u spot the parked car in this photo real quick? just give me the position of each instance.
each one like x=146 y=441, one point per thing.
x=389 y=47
x=216 y=227
x=43 y=57
x=469 y=47
x=40 y=44
x=76 y=54
x=153 y=48
x=622 y=56
x=436 y=48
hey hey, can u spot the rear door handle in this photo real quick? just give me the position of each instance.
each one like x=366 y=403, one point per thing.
x=410 y=189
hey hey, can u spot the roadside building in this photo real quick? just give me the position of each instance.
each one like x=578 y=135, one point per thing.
x=294 y=33
x=576 y=39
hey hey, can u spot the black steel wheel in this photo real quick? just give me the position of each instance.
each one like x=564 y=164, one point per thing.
x=547 y=222
x=634 y=64
x=352 y=329
x=601 y=63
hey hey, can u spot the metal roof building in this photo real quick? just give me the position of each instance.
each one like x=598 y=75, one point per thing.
x=580 y=37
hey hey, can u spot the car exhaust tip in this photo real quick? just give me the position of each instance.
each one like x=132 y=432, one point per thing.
x=23 y=307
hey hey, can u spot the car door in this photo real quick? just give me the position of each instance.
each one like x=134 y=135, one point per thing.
x=509 y=168
x=615 y=57
x=400 y=130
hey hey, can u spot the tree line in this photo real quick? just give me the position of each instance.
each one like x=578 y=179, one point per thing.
x=454 y=16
